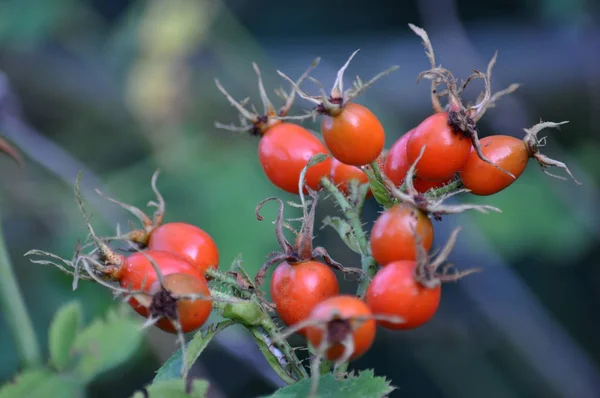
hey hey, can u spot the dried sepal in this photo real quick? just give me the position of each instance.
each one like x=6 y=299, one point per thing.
x=333 y=103
x=141 y=235
x=435 y=100
x=252 y=121
x=463 y=119
x=427 y=271
x=533 y=144
x=432 y=205
x=111 y=258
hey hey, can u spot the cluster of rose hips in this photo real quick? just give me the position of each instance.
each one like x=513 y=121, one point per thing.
x=165 y=270
x=440 y=157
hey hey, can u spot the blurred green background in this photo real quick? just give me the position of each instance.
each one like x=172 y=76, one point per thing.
x=120 y=88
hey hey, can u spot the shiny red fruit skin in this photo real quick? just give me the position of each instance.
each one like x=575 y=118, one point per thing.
x=446 y=150
x=482 y=178
x=188 y=241
x=355 y=136
x=297 y=288
x=395 y=292
x=396 y=166
x=342 y=174
x=396 y=162
x=393 y=234
x=284 y=150
x=348 y=307
x=192 y=313
x=137 y=272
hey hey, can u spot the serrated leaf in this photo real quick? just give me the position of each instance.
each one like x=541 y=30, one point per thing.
x=106 y=344
x=344 y=229
x=63 y=331
x=174 y=389
x=172 y=368
x=363 y=385
x=42 y=383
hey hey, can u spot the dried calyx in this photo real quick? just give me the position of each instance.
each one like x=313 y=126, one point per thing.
x=106 y=261
x=333 y=103
x=533 y=143
x=433 y=206
x=252 y=122
x=140 y=236
x=302 y=249
x=432 y=272
x=462 y=119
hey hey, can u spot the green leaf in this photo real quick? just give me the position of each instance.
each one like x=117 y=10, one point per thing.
x=42 y=383
x=62 y=334
x=363 y=385
x=106 y=344
x=344 y=229
x=175 y=389
x=379 y=190
x=172 y=368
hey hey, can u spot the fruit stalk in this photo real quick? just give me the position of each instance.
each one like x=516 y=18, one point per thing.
x=265 y=347
x=265 y=340
x=228 y=280
x=445 y=190
x=368 y=264
x=15 y=312
x=273 y=332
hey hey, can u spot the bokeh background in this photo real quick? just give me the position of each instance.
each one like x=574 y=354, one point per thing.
x=120 y=88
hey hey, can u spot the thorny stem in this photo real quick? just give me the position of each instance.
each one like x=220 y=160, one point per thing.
x=16 y=315
x=368 y=264
x=264 y=345
x=271 y=329
x=228 y=280
x=447 y=189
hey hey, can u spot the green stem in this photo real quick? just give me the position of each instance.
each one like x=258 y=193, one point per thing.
x=266 y=323
x=376 y=170
x=264 y=345
x=368 y=264
x=15 y=311
x=272 y=330
x=445 y=190
x=227 y=280
x=370 y=267
x=342 y=368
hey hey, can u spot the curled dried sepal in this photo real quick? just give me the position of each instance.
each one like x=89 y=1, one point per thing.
x=141 y=235
x=435 y=100
x=333 y=103
x=11 y=151
x=432 y=205
x=533 y=144
x=66 y=266
x=427 y=269
x=302 y=249
x=111 y=258
x=336 y=330
x=460 y=118
x=251 y=121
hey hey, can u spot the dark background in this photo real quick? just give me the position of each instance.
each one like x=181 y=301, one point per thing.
x=120 y=88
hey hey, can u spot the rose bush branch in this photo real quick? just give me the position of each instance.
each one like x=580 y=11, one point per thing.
x=15 y=311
